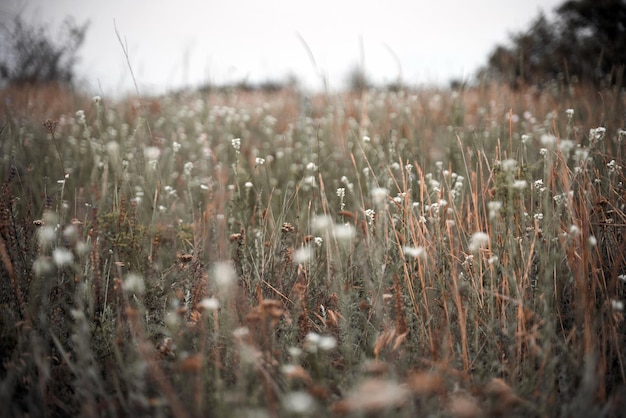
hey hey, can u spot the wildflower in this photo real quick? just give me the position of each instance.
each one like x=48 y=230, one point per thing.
x=42 y=266
x=596 y=134
x=46 y=235
x=326 y=342
x=519 y=184
x=543 y=152
x=617 y=305
x=312 y=166
x=548 y=140
x=345 y=232
x=415 y=252
x=509 y=164
x=151 y=153
x=341 y=192
x=370 y=214
x=538 y=216
x=494 y=207
x=366 y=138
x=478 y=240
x=80 y=115
x=248 y=185
x=134 y=283
x=318 y=241
x=236 y=143
x=569 y=113
x=260 y=161
x=408 y=168
x=96 y=99
x=298 y=402
x=593 y=241
x=574 y=230
x=303 y=254
x=209 y=304
x=187 y=168
x=379 y=195
x=525 y=138
x=224 y=275
x=321 y=223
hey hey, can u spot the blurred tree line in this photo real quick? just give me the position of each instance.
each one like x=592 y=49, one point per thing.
x=29 y=54
x=586 y=42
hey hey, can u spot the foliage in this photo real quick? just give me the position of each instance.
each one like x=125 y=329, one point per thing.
x=33 y=57
x=584 y=42
x=239 y=253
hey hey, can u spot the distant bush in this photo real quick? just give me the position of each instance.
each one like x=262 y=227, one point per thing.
x=31 y=56
x=585 y=42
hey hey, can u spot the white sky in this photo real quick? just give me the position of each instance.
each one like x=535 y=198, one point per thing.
x=187 y=42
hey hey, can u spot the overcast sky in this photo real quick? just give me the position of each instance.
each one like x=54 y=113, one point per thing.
x=189 y=42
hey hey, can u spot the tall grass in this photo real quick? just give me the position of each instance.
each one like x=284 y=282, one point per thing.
x=442 y=253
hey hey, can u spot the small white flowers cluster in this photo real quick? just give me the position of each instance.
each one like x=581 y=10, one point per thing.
x=341 y=193
x=415 y=252
x=313 y=341
x=494 y=208
x=346 y=182
x=259 y=161
x=538 y=185
x=236 y=143
x=187 y=169
x=370 y=215
x=478 y=240
x=379 y=196
x=613 y=166
x=134 y=284
x=596 y=134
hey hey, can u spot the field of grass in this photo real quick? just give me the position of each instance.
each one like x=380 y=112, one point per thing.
x=245 y=254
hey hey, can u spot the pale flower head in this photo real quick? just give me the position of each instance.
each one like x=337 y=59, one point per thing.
x=478 y=240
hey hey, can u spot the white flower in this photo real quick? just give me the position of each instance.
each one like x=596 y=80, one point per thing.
x=318 y=241
x=224 y=275
x=260 y=161
x=617 y=305
x=62 y=257
x=96 y=99
x=298 y=402
x=248 y=185
x=341 y=192
x=209 y=304
x=321 y=223
x=379 y=195
x=46 y=235
x=134 y=284
x=366 y=138
x=509 y=164
x=478 y=240
x=593 y=241
x=327 y=342
x=519 y=184
x=569 y=113
x=370 y=214
x=415 y=252
x=303 y=254
x=187 y=168
x=236 y=143
x=176 y=146
x=151 y=153
x=548 y=140
x=345 y=232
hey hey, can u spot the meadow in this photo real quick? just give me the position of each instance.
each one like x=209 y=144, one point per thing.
x=420 y=252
